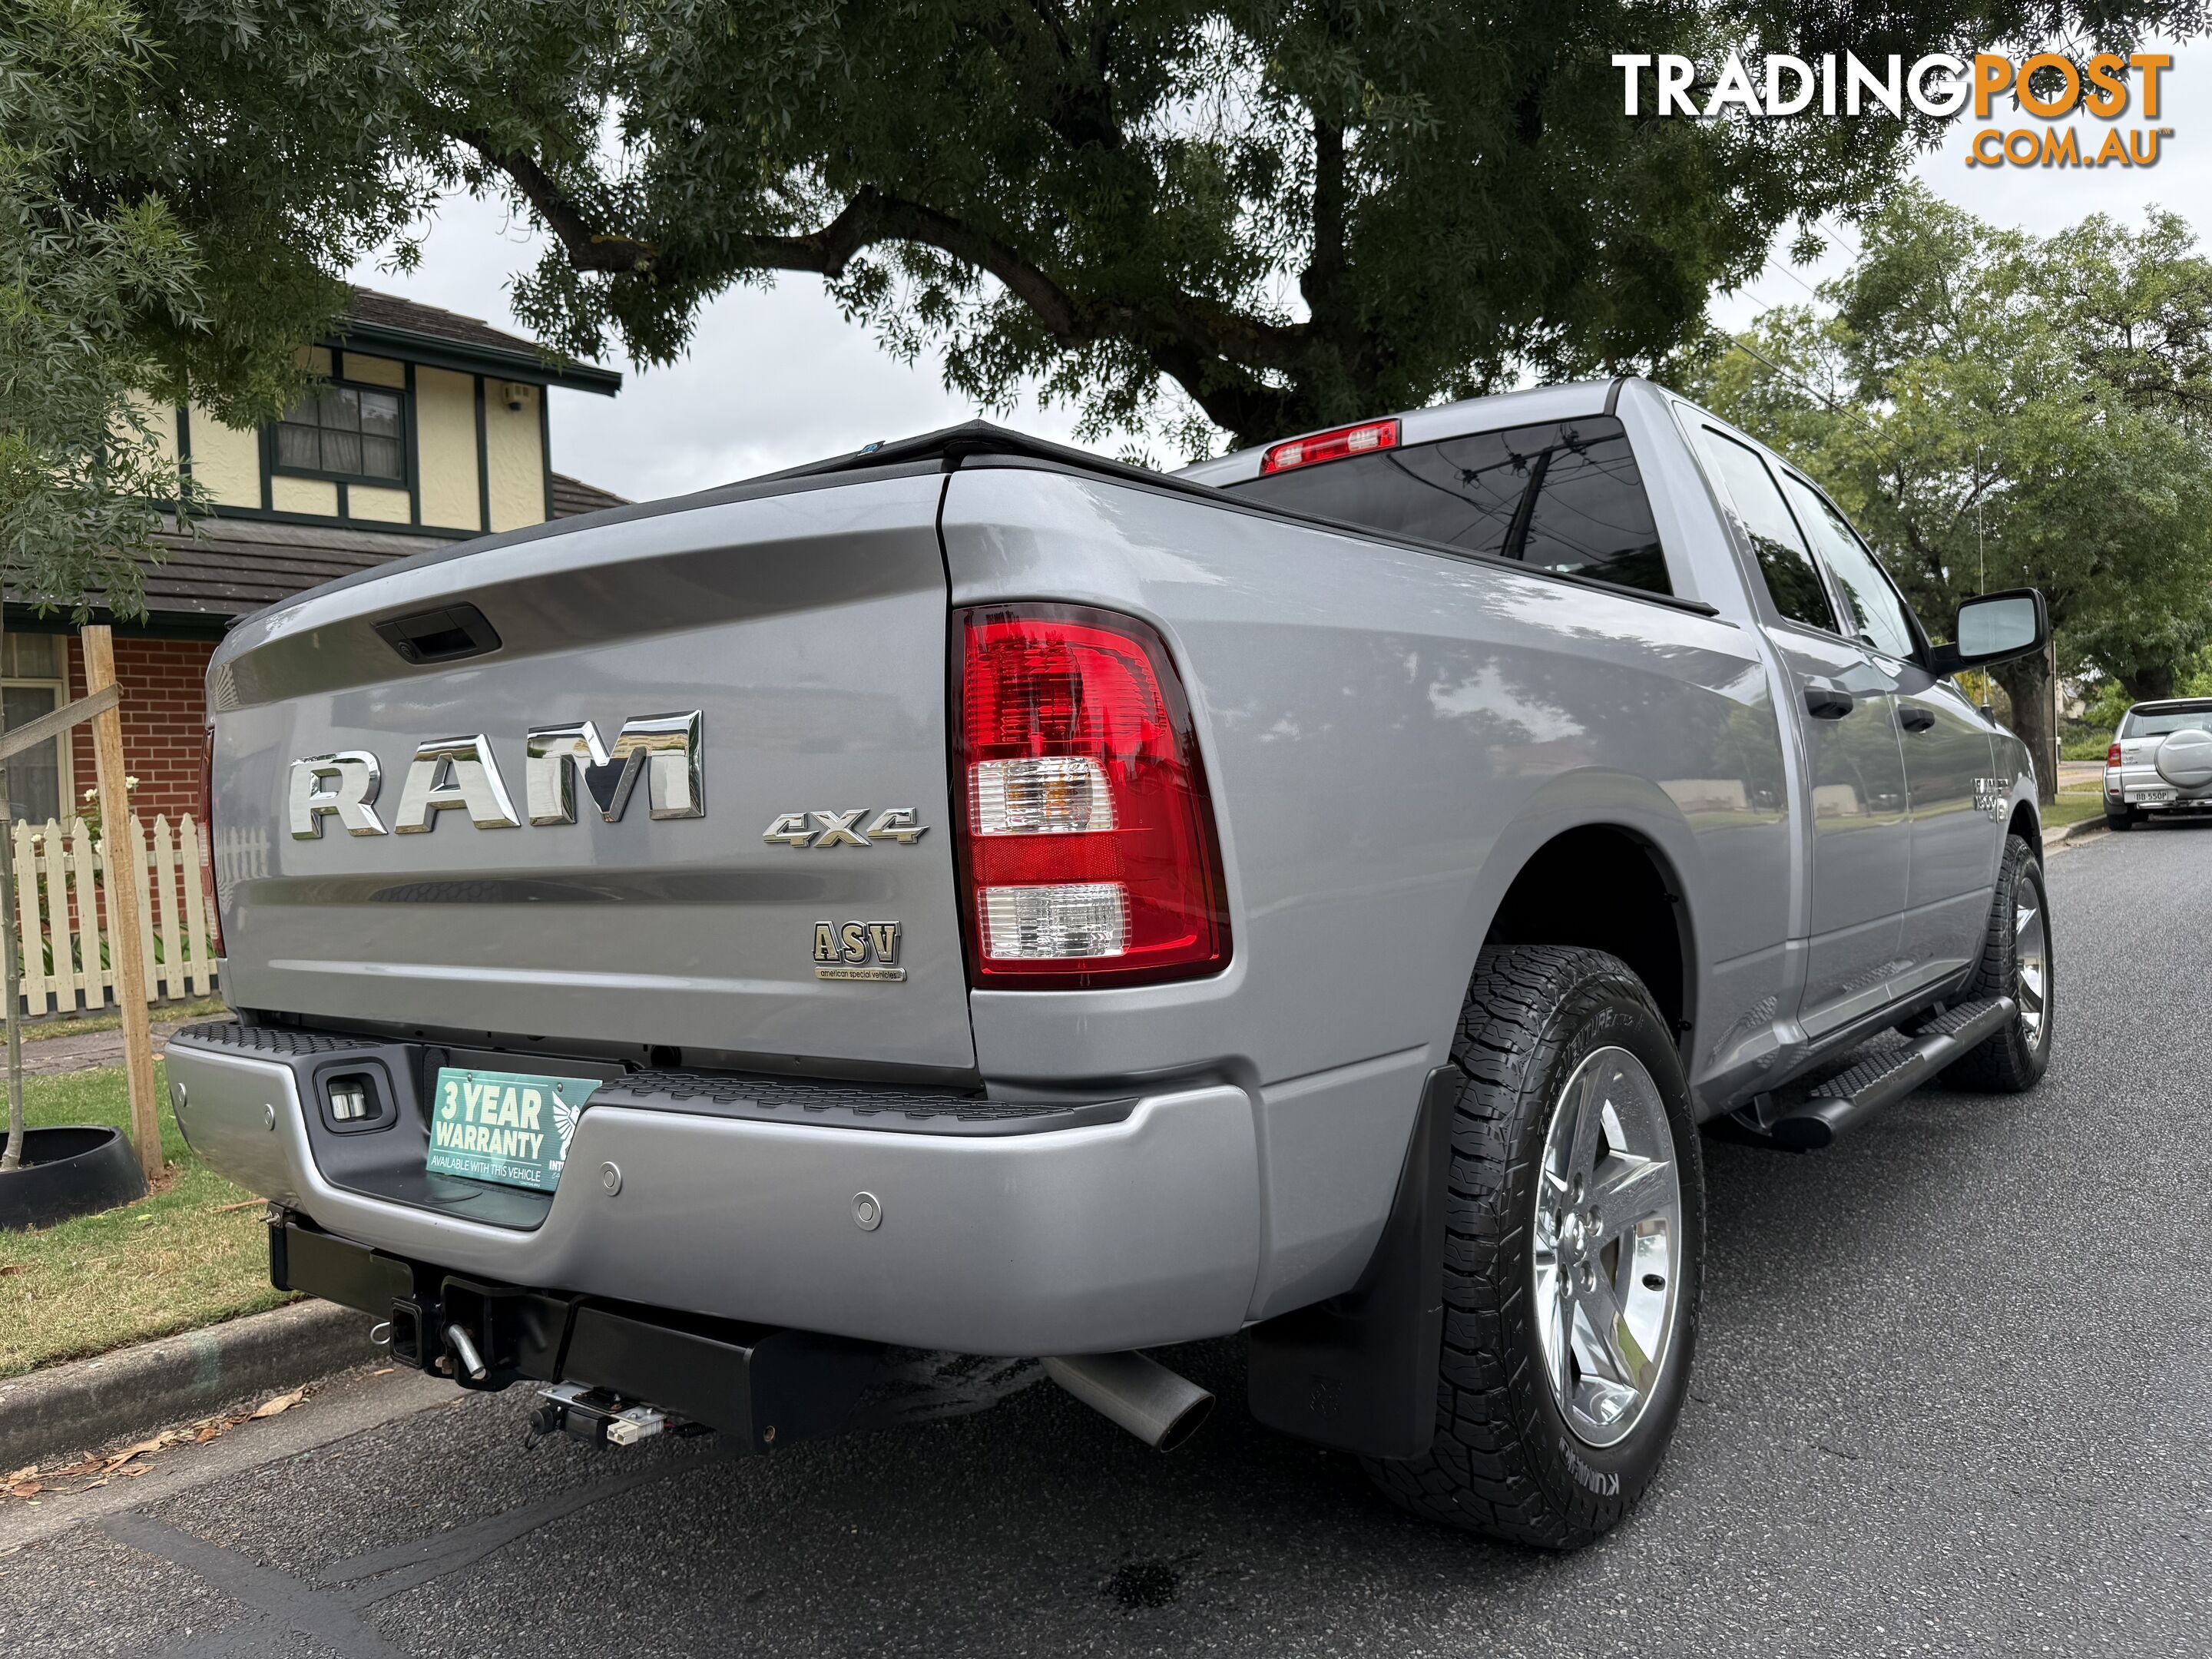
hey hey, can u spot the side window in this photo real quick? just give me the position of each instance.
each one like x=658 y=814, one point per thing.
x=1792 y=579
x=1564 y=497
x=344 y=432
x=1880 y=614
x=35 y=683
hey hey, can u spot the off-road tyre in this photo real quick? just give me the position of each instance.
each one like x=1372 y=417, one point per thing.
x=2126 y=819
x=2014 y=1060
x=1503 y=1462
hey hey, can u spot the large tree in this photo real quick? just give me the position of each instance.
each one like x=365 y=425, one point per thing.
x=1296 y=211
x=84 y=285
x=1293 y=211
x=1994 y=411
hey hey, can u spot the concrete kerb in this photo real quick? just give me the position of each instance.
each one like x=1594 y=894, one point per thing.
x=90 y=1403
x=2074 y=832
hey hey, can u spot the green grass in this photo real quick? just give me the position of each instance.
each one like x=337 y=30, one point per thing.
x=174 y=1261
x=64 y=1025
x=2072 y=806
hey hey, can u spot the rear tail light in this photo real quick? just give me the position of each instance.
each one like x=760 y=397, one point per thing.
x=1333 y=446
x=2112 y=756
x=1088 y=850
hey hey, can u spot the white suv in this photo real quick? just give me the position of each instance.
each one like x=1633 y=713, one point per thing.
x=2161 y=760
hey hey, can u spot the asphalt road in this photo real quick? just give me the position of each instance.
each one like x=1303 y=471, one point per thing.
x=1955 y=1397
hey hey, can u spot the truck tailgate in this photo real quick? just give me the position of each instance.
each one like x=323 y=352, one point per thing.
x=805 y=625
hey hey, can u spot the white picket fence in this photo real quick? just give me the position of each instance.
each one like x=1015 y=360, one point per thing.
x=61 y=908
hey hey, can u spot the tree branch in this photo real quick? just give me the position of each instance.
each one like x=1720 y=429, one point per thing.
x=1318 y=282
x=587 y=248
x=1206 y=348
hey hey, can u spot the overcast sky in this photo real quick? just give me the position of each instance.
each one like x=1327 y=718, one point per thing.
x=775 y=376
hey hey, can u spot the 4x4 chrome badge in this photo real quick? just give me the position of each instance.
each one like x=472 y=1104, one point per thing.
x=838 y=829
x=857 y=949
x=460 y=773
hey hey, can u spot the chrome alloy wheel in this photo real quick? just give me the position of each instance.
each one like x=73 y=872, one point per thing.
x=2031 y=955
x=1608 y=1245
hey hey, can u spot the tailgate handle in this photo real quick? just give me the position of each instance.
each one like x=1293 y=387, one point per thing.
x=445 y=635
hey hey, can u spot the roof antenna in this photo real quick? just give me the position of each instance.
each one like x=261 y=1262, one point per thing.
x=1982 y=578
x=1981 y=554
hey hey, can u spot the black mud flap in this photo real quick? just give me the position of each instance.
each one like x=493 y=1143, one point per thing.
x=1358 y=1373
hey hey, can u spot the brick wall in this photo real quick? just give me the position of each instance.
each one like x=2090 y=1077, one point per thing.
x=164 y=722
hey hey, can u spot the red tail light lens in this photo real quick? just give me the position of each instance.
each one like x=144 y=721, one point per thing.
x=2112 y=756
x=1087 y=842
x=1335 y=446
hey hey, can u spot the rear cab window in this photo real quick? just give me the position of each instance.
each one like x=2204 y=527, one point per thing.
x=1564 y=496
x=2159 y=722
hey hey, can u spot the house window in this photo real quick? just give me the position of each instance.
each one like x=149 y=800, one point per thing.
x=347 y=432
x=32 y=683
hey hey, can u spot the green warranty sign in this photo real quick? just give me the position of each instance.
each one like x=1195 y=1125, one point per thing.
x=508 y=1127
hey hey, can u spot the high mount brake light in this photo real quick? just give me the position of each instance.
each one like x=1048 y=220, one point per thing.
x=1332 y=445
x=1087 y=843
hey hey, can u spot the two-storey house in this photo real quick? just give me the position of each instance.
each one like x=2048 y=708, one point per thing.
x=424 y=427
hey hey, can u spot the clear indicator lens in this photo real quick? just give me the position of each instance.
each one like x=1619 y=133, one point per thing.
x=1054 y=923
x=1048 y=794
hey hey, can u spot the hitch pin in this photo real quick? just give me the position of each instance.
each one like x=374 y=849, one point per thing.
x=471 y=1361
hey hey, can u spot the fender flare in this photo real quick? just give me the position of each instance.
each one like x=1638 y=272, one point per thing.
x=1594 y=797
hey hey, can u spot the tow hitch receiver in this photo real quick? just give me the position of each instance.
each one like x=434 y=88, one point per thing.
x=762 y=1386
x=597 y=1415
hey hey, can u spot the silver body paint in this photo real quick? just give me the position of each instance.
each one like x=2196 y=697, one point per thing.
x=1390 y=733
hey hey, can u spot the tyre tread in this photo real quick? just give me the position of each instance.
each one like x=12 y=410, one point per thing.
x=2003 y=1063
x=1477 y=1475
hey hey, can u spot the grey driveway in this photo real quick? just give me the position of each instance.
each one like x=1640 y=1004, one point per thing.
x=1954 y=1396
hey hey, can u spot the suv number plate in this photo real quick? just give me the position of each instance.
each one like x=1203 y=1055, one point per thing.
x=508 y=1127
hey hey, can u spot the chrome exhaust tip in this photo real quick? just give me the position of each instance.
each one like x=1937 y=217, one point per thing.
x=1159 y=1406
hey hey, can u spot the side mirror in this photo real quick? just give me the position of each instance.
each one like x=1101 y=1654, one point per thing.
x=1994 y=629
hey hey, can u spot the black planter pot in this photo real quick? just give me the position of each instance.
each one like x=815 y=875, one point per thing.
x=75 y=1170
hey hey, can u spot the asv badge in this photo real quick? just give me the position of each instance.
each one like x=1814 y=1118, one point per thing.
x=857 y=949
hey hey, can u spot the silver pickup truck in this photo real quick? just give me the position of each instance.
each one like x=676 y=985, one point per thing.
x=969 y=896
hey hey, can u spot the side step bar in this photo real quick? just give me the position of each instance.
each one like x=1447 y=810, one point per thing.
x=1844 y=1102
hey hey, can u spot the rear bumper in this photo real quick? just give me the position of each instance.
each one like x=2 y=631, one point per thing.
x=2142 y=788
x=1107 y=1235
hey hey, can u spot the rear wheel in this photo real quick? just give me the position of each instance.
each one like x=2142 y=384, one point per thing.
x=2015 y=963
x=2123 y=819
x=1573 y=1256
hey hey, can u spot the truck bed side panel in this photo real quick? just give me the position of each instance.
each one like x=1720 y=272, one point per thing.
x=1388 y=734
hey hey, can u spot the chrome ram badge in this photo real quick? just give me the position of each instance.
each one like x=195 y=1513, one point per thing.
x=461 y=775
